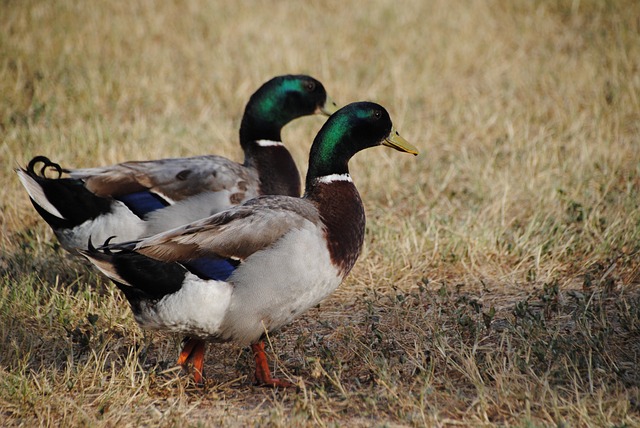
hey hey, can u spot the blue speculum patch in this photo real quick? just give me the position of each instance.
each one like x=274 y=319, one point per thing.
x=211 y=268
x=142 y=203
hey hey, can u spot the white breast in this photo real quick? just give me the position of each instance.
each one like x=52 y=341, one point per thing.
x=276 y=286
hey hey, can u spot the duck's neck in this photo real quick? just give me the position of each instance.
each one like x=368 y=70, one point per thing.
x=342 y=213
x=263 y=150
x=254 y=127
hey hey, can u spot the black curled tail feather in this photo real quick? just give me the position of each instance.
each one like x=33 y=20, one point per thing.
x=109 y=248
x=105 y=248
x=46 y=164
x=73 y=201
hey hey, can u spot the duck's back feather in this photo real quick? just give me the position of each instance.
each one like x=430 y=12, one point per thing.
x=174 y=178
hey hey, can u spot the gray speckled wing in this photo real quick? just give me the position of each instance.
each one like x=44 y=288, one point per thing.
x=173 y=178
x=236 y=233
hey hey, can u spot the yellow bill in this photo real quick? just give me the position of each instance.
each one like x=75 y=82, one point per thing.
x=328 y=108
x=395 y=141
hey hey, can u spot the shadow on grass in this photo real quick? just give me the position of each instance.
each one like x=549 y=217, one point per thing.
x=56 y=314
x=440 y=348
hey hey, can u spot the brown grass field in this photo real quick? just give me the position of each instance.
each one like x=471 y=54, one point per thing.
x=499 y=284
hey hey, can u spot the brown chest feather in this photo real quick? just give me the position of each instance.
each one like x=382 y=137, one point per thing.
x=343 y=215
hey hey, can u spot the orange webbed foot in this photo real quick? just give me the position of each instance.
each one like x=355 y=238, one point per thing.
x=263 y=373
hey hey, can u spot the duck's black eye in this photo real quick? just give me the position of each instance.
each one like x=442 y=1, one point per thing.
x=310 y=86
x=377 y=114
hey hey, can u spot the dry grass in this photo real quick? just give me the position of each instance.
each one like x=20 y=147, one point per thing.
x=499 y=283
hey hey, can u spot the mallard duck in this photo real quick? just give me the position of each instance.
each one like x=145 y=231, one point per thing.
x=135 y=199
x=287 y=253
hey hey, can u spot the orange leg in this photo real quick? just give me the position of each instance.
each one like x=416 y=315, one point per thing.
x=193 y=352
x=187 y=348
x=263 y=374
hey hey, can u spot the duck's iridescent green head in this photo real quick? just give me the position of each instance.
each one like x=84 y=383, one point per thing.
x=281 y=100
x=354 y=127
